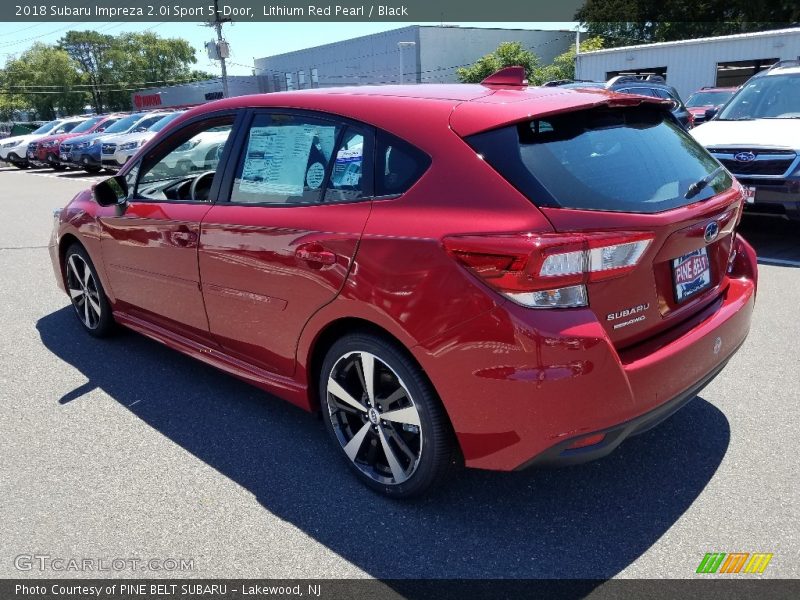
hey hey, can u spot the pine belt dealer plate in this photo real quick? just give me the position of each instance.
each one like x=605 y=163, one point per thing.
x=691 y=273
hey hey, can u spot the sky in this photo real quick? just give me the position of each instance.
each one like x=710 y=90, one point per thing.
x=247 y=40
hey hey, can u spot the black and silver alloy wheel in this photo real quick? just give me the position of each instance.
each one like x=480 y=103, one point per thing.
x=82 y=288
x=374 y=418
x=384 y=416
x=86 y=293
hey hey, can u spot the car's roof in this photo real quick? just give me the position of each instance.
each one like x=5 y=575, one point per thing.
x=716 y=89
x=468 y=108
x=794 y=70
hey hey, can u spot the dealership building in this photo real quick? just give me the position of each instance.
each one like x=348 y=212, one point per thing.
x=689 y=65
x=414 y=54
x=197 y=92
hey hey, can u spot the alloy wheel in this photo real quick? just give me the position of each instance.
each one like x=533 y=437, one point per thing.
x=374 y=418
x=83 y=291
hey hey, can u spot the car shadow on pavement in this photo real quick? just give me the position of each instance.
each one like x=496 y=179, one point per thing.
x=588 y=521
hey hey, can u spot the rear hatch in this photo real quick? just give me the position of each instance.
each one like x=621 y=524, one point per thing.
x=644 y=216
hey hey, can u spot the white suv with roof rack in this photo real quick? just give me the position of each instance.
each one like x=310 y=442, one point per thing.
x=756 y=136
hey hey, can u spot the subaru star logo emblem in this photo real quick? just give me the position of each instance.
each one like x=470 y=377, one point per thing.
x=744 y=156
x=711 y=232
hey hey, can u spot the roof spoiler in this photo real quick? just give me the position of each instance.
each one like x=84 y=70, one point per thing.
x=507 y=76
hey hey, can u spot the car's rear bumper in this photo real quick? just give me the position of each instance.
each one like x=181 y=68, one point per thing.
x=522 y=386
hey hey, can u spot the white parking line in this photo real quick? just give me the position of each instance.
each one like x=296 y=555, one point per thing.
x=62 y=177
x=778 y=261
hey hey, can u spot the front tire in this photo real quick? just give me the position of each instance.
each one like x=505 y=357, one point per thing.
x=86 y=292
x=384 y=415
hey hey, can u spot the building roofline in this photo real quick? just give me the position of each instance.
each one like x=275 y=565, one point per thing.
x=411 y=27
x=719 y=38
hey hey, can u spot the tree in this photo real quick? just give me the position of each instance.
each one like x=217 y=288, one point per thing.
x=144 y=60
x=508 y=54
x=89 y=50
x=563 y=66
x=116 y=66
x=48 y=81
x=650 y=21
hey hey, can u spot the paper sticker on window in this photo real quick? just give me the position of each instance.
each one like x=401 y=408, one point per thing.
x=277 y=158
x=347 y=167
x=315 y=175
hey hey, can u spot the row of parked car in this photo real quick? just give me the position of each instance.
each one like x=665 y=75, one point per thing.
x=101 y=142
x=752 y=130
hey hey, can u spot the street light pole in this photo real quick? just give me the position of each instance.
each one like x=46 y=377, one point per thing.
x=402 y=45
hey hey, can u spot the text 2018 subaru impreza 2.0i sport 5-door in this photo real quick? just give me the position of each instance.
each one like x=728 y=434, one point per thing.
x=495 y=274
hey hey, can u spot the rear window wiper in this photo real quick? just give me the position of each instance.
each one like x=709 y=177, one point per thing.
x=699 y=186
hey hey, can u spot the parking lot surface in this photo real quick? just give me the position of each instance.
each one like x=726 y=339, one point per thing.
x=123 y=448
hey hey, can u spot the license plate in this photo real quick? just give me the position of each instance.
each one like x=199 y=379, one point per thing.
x=749 y=194
x=30 y=153
x=691 y=273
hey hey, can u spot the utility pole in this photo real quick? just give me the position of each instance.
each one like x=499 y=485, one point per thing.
x=222 y=46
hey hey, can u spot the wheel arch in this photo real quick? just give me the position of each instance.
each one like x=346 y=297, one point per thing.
x=67 y=240
x=335 y=330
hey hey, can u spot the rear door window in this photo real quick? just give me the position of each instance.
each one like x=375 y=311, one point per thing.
x=633 y=159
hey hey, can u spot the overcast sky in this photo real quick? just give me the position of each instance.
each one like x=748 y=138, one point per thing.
x=247 y=40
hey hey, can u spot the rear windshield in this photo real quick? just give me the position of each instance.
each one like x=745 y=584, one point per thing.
x=634 y=159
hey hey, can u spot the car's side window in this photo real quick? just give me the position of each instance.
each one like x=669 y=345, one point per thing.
x=398 y=165
x=286 y=159
x=182 y=167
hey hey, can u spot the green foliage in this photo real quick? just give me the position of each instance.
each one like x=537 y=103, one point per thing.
x=563 y=66
x=46 y=79
x=508 y=54
x=90 y=67
x=650 y=21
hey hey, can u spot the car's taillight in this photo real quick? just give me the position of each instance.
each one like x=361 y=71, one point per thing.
x=548 y=270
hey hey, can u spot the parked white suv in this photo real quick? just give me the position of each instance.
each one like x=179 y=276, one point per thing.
x=127 y=145
x=14 y=150
x=756 y=136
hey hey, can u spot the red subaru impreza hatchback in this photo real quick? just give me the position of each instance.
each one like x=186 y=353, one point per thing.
x=496 y=274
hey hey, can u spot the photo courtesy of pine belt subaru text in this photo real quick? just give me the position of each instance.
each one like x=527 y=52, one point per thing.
x=493 y=275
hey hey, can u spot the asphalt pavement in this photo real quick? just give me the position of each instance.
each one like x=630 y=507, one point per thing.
x=122 y=448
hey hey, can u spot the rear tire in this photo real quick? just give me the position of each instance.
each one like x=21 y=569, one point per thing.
x=92 y=169
x=384 y=415
x=86 y=292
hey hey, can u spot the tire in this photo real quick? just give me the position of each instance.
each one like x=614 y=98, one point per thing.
x=418 y=435
x=95 y=317
x=92 y=169
x=14 y=160
x=59 y=167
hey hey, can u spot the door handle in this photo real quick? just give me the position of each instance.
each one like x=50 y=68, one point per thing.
x=185 y=239
x=315 y=253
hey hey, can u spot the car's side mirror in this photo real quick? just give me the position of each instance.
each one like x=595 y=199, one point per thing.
x=111 y=191
x=711 y=113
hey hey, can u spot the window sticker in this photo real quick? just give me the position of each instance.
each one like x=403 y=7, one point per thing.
x=315 y=175
x=347 y=167
x=277 y=158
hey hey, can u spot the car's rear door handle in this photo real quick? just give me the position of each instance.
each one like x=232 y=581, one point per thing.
x=315 y=253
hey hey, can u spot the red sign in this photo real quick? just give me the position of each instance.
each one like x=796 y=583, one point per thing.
x=146 y=100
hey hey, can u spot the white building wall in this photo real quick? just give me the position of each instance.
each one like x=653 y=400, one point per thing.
x=691 y=64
